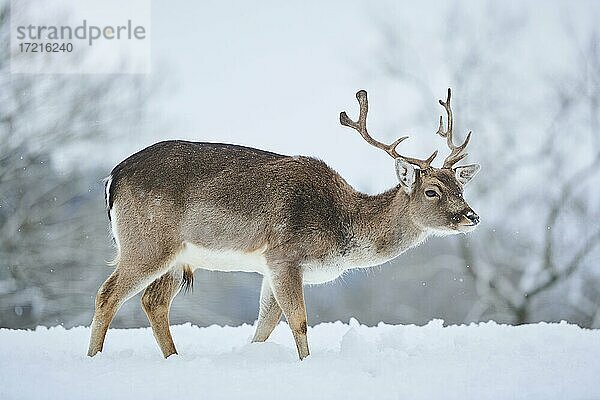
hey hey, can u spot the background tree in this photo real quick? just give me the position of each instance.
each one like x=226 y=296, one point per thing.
x=52 y=223
x=537 y=238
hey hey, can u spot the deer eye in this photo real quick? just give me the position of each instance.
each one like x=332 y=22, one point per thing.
x=431 y=193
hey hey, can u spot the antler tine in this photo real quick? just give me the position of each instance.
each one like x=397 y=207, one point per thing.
x=361 y=127
x=448 y=132
x=456 y=152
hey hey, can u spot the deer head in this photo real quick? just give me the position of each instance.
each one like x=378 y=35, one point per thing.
x=435 y=195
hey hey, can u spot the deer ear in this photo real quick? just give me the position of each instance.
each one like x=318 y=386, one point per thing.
x=466 y=172
x=406 y=174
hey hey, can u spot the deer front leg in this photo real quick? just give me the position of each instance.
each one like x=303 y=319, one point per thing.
x=286 y=284
x=268 y=314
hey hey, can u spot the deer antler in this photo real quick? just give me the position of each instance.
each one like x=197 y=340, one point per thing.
x=361 y=127
x=457 y=152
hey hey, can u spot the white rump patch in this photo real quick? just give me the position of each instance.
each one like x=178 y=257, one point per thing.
x=107 y=183
x=113 y=218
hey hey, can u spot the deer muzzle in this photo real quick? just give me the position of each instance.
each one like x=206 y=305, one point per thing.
x=472 y=217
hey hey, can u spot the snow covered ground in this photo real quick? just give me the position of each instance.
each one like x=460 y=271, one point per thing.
x=484 y=361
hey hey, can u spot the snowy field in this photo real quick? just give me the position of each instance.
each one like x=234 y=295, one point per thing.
x=484 y=361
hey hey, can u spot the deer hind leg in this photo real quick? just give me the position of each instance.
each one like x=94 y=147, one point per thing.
x=156 y=303
x=269 y=313
x=127 y=280
x=286 y=284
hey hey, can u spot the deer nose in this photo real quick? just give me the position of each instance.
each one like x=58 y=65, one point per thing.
x=474 y=218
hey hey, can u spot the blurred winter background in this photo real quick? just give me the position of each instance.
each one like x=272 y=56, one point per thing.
x=275 y=75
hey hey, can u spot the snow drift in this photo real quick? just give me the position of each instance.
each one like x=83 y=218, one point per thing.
x=349 y=361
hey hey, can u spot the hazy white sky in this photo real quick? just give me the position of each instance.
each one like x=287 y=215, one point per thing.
x=275 y=75
x=267 y=74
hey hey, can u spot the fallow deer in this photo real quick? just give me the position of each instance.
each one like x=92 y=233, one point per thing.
x=177 y=206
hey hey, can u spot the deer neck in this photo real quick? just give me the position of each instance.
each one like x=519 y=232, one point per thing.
x=385 y=223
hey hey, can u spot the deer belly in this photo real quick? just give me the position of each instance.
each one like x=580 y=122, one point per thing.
x=226 y=260
x=316 y=273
